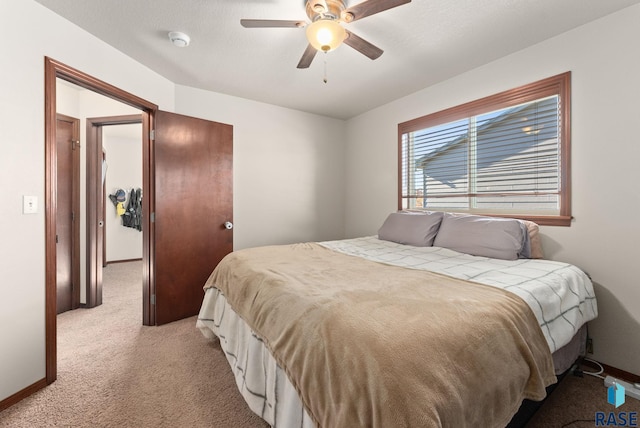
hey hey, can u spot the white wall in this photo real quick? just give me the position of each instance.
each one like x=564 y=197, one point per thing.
x=124 y=160
x=288 y=169
x=603 y=239
x=22 y=290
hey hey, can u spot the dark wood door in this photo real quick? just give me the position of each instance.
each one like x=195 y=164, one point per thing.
x=67 y=221
x=193 y=200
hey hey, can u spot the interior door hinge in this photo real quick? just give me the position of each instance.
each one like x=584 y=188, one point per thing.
x=153 y=299
x=152 y=217
x=56 y=239
x=152 y=134
x=75 y=144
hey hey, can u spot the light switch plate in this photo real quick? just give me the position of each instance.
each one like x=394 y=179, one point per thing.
x=29 y=204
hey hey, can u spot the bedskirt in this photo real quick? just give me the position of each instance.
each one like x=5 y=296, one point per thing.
x=261 y=381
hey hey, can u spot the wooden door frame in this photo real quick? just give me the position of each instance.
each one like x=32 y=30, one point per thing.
x=75 y=203
x=95 y=236
x=104 y=213
x=52 y=70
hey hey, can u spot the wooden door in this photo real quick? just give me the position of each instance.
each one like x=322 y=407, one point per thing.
x=67 y=211
x=193 y=198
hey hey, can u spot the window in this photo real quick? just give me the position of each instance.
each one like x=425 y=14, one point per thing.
x=506 y=155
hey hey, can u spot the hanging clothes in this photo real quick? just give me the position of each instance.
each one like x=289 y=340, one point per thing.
x=118 y=200
x=139 y=209
x=132 y=216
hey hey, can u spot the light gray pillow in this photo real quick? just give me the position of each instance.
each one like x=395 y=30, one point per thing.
x=498 y=238
x=418 y=229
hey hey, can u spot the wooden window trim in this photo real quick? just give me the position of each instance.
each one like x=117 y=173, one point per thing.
x=556 y=85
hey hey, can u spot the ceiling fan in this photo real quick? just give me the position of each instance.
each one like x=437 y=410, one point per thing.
x=325 y=32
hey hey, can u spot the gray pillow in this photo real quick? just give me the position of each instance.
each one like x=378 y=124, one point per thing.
x=498 y=238
x=418 y=229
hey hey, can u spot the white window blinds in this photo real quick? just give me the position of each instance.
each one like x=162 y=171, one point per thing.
x=505 y=160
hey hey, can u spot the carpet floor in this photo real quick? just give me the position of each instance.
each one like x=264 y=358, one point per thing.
x=114 y=372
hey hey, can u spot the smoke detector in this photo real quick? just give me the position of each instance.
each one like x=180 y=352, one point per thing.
x=179 y=39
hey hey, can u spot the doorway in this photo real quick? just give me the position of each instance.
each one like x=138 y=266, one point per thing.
x=97 y=252
x=122 y=157
x=184 y=233
x=53 y=71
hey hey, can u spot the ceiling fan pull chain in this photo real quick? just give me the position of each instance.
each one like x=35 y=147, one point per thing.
x=325 y=68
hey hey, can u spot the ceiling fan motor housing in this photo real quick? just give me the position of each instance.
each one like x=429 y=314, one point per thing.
x=328 y=9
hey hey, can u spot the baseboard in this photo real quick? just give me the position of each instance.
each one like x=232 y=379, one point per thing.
x=613 y=371
x=21 y=395
x=123 y=261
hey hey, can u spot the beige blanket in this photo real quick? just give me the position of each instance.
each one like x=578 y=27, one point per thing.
x=372 y=345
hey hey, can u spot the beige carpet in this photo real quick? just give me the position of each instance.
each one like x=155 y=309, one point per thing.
x=113 y=372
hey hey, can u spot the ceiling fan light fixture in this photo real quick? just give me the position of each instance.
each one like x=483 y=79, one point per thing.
x=179 y=39
x=325 y=34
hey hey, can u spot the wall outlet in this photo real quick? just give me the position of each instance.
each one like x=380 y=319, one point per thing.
x=589 y=345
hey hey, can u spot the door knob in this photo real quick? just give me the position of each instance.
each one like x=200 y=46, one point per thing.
x=228 y=225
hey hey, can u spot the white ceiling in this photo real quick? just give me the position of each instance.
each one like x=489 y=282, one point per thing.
x=424 y=42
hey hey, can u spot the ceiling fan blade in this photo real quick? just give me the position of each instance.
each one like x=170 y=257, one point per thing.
x=271 y=23
x=371 y=7
x=307 y=57
x=362 y=46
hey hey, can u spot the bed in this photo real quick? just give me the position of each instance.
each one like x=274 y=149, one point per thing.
x=377 y=331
